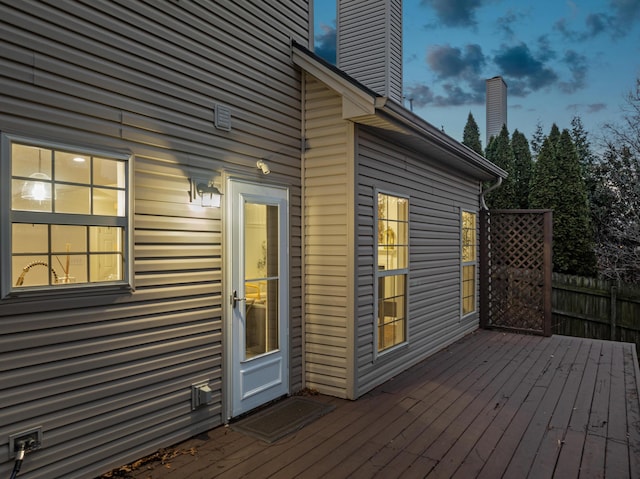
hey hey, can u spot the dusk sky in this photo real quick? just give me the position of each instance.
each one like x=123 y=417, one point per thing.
x=559 y=58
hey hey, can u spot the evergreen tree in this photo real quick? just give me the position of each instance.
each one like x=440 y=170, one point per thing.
x=573 y=237
x=554 y=134
x=499 y=152
x=580 y=139
x=522 y=168
x=588 y=164
x=471 y=135
x=557 y=184
x=544 y=181
x=537 y=140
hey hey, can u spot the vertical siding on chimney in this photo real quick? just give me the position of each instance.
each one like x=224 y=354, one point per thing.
x=496 y=106
x=370 y=44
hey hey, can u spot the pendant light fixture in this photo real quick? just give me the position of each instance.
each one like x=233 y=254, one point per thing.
x=38 y=187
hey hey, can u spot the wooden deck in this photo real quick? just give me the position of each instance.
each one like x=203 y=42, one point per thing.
x=493 y=405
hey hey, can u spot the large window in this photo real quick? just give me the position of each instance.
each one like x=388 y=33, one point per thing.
x=393 y=263
x=67 y=216
x=469 y=261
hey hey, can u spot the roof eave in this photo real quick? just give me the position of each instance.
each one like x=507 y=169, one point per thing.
x=356 y=101
x=432 y=134
x=362 y=105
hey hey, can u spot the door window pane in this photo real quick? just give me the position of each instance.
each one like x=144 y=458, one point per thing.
x=261 y=255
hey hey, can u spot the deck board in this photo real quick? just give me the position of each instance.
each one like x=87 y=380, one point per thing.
x=493 y=405
x=553 y=437
x=533 y=438
x=632 y=393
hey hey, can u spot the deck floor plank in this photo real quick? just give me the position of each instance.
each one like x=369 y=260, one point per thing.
x=486 y=402
x=492 y=433
x=632 y=394
x=453 y=403
x=522 y=462
x=473 y=422
x=571 y=449
x=510 y=439
x=492 y=405
x=553 y=436
x=435 y=399
x=592 y=464
x=307 y=442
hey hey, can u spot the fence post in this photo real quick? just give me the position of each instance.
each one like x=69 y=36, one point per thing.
x=614 y=312
x=548 y=271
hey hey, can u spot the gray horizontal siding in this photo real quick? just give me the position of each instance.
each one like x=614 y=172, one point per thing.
x=436 y=196
x=107 y=375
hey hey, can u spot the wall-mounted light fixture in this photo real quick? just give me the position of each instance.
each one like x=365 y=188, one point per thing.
x=263 y=166
x=210 y=196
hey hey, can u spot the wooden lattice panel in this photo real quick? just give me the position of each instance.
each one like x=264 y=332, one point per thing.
x=516 y=270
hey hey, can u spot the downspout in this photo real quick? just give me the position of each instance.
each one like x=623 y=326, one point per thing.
x=495 y=186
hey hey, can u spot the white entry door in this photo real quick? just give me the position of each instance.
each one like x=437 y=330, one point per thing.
x=258 y=299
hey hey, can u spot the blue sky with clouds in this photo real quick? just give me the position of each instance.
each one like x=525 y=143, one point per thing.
x=559 y=58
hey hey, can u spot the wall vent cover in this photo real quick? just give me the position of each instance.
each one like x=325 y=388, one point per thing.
x=222 y=117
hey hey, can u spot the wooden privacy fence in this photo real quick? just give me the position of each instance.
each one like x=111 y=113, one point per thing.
x=596 y=308
x=515 y=270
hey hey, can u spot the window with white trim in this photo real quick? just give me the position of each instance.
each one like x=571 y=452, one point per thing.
x=469 y=261
x=67 y=216
x=393 y=267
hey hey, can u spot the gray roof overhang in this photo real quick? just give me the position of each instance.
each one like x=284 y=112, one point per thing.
x=401 y=126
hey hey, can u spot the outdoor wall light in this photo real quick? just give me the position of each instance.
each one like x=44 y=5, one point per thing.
x=263 y=166
x=210 y=196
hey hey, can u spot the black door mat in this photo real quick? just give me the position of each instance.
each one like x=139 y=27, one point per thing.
x=281 y=419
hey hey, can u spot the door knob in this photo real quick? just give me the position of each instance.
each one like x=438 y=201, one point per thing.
x=235 y=299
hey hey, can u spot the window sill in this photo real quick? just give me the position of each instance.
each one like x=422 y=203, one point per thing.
x=66 y=291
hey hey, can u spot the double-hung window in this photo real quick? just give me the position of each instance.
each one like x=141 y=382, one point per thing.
x=393 y=267
x=469 y=261
x=65 y=216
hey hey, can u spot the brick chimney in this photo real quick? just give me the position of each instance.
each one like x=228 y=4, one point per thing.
x=369 y=44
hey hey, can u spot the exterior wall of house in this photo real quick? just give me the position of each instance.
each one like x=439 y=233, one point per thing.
x=328 y=240
x=436 y=197
x=108 y=375
x=339 y=248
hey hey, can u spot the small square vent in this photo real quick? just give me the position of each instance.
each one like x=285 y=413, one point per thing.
x=222 y=117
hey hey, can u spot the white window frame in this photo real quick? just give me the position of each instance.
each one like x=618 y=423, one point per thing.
x=8 y=216
x=469 y=263
x=394 y=272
